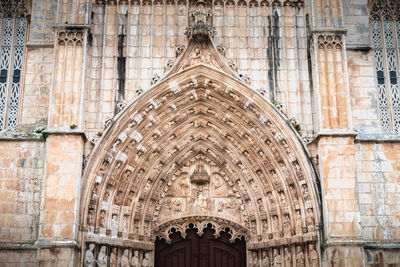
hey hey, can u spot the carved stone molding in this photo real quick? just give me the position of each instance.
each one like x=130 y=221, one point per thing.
x=329 y=41
x=200 y=223
x=70 y=37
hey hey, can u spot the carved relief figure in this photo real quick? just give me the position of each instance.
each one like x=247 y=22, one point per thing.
x=288 y=257
x=146 y=260
x=299 y=230
x=299 y=257
x=313 y=256
x=277 y=258
x=265 y=260
x=254 y=260
x=102 y=258
x=286 y=226
x=135 y=259
x=89 y=257
x=114 y=258
x=125 y=259
x=201 y=202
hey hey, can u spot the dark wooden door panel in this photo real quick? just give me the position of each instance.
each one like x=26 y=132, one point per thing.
x=200 y=251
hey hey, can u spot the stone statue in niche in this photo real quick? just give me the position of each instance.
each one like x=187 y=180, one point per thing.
x=201 y=202
x=89 y=257
x=125 y=259
x=286 y=226
x=200 y=15
x=177 y=205
x=288 y=257
x=135 y=259
x=218 y=187
x=275 y=226
x=254 y=260
x=313 y=256
x=102 y=258
x=114 y=258
x=277 y=258
x=299 y=228
x=102 y=218
x=306 y=194
x=114 y=226
x=283 y=199
x=299 y=257
x=310 y=220
x=146 y=260
x=90 y=218
x=265 y=260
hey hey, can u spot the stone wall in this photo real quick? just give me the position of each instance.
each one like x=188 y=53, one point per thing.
x=21 y=177
x=378 y=190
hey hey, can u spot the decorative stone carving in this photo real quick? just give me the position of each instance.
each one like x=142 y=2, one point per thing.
x=179 y=49
x=277 y=258
x=70 y=37
x=200 y=223
x=114 y=258
x=199 y=30
x=121 y=106
x=146 y=260
x=89 y=257
x=254 y=262
x=288 y=257
x=135 y=259
x=265 y=260
x=299 y=257
x=108 y=122
x=169 y=64
x=313 y=254
x=221 y=49
x=125 y=259
x=102 y=258
x=243 y=172
x=155 y=79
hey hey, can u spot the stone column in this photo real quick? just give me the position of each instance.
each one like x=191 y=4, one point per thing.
x=58 y=228
x=335 y=138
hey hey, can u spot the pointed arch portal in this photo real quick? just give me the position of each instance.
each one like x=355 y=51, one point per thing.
x=202 y=148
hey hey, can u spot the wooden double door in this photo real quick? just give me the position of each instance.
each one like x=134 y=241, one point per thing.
x=200 y=251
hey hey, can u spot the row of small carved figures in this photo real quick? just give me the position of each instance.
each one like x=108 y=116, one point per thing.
x=241 y=3
x=287 y=255
x=116 y=257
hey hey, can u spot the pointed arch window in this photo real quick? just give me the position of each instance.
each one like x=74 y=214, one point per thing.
x=13 y=25
x=385 y=30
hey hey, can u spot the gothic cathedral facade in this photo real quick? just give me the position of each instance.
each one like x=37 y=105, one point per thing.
x=183 y=133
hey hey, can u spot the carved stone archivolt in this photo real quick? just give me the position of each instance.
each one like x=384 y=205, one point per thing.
x=200 y=148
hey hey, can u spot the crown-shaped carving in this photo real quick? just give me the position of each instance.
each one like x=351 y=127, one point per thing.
x=200 y=176
x=201 y=28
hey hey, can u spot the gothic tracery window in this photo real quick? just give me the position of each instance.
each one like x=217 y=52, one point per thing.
x=385 y=29
x=12 y=42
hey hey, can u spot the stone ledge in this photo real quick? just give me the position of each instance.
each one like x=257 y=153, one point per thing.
x=19 y=136
x=65 y=131
x=359 y=47
x=329 y=30
x=37 y=45
x=367 y=244
x=72 y=26
x=333 y=133
x=44 y=243
x=375 y=134
x=17 y=246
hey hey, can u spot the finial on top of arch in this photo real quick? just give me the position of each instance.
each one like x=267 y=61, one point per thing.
x=200 y=28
